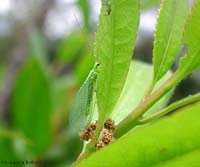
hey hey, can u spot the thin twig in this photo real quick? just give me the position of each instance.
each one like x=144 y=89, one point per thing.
x=170 y=108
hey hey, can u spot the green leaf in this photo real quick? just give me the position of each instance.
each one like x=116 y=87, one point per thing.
x=190 y=159
x=31 y=105
x=2 y=76
x=11 y=144
x=83 y=67
x=63 y=88
x=6 y=150
x=85 y=8
x=38 y=48
x=70 y=47
x=138 y=81
x=171 y=137
x=146 y=4
x=191 y=60
x=168 y=35
x=115 y=41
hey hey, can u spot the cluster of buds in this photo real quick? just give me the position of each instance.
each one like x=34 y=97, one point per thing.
x=88 y=132
x=106 y=136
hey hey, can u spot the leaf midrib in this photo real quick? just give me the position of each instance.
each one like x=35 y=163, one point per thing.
x=112 y=62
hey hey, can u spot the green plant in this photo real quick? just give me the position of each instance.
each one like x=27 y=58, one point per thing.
x=115 y=39
x=56 y=102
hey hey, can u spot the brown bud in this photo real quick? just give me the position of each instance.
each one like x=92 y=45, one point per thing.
x=100 y=144
x=88 y=132
x=107 y=136
x=93 y=125
x=86 y=135
x=110 y=124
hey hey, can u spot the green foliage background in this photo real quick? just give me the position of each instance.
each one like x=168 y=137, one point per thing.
x=34 y=123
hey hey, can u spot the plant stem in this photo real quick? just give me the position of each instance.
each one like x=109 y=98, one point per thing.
x=148 y=92
x=91 y=146
x=170 y=108
x=83 y=155
x=133 y=118
x=80 y=157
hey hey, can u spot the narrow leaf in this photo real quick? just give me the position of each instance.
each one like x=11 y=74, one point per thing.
x=191 y=60
x=168 y=35
x=169 y=138
x=31 y=105
x=115 y=40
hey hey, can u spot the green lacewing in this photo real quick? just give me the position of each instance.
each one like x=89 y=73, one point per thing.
x=81 y=111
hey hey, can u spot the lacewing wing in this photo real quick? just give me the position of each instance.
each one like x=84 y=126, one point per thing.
x=81 y=110
x=82 y=107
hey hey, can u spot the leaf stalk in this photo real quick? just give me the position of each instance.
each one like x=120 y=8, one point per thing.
x=172 y=107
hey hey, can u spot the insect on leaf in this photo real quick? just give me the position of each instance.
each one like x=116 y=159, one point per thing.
x=168 y=35
x=81 y=112
x=115 y=40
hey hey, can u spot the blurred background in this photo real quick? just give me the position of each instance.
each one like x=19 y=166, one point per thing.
x=46 y=51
